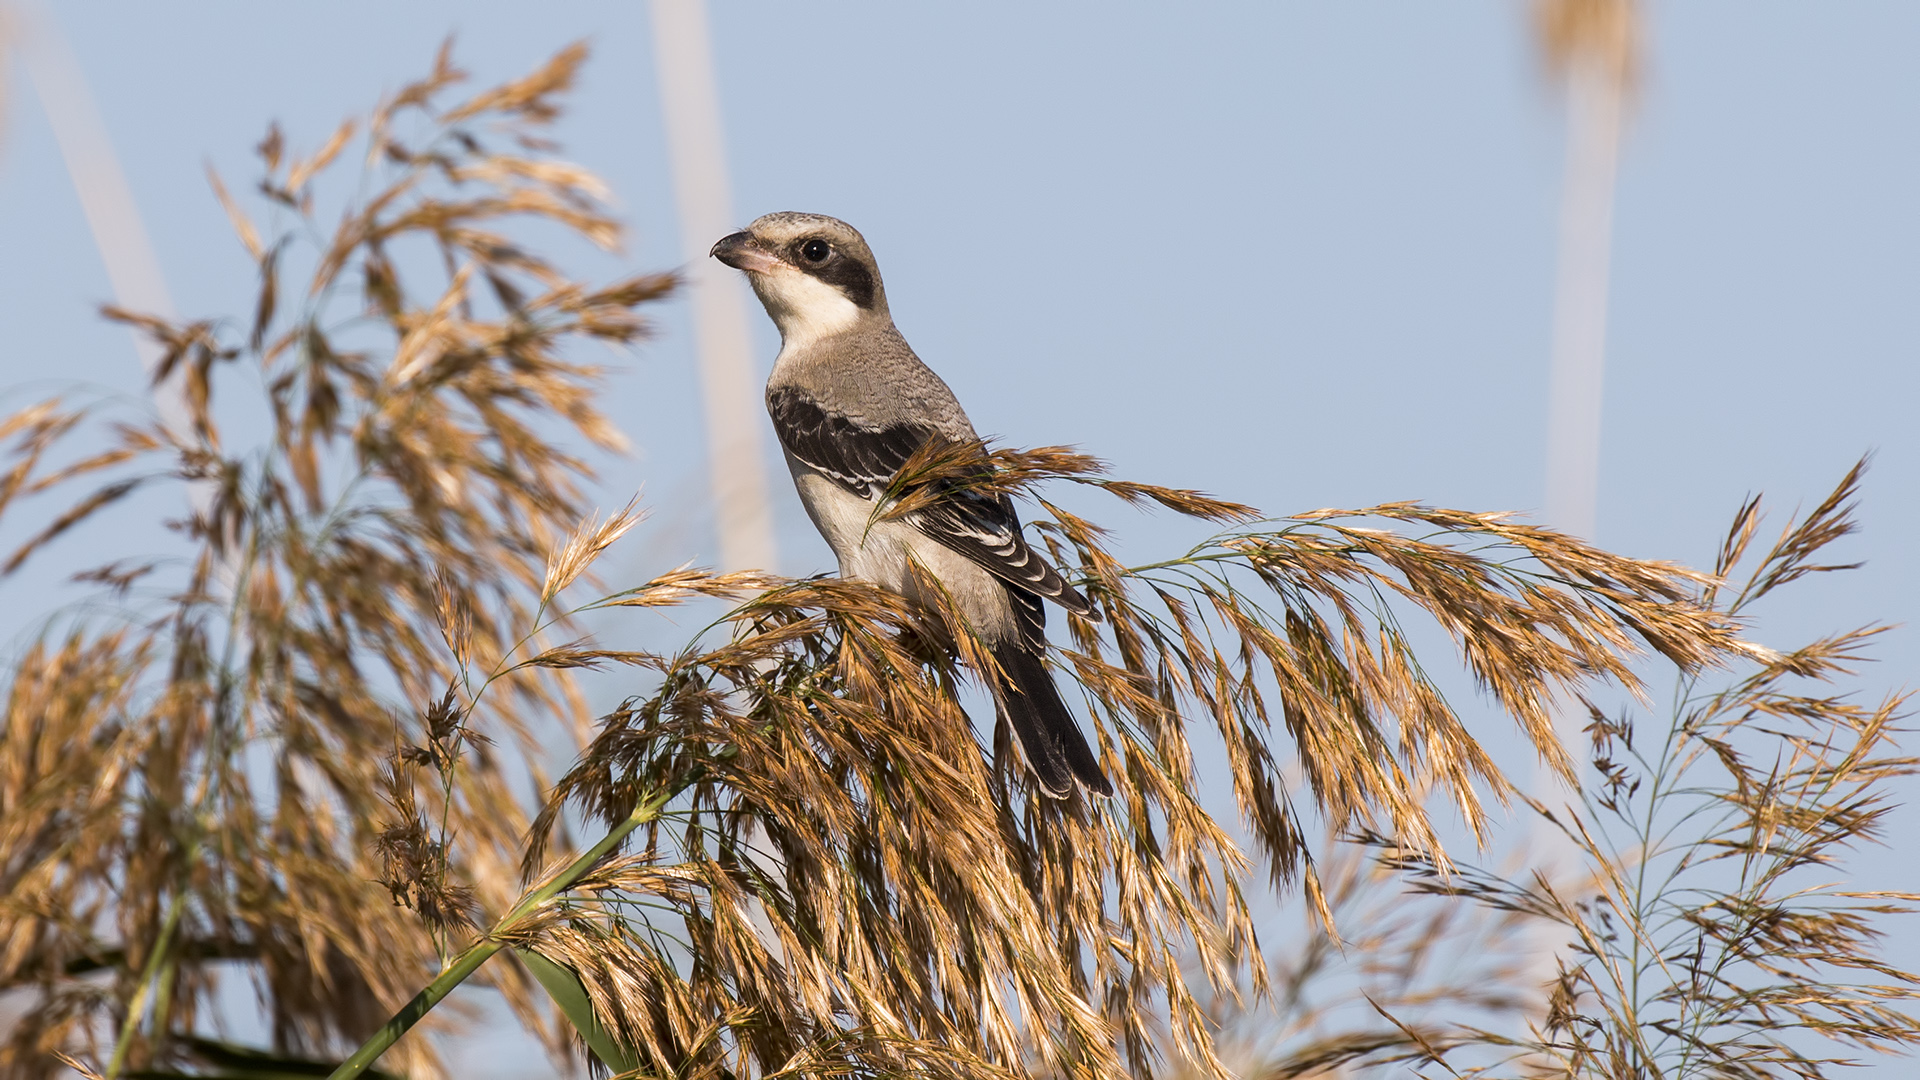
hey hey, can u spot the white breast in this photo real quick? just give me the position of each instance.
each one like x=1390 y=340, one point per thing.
x=881 y=553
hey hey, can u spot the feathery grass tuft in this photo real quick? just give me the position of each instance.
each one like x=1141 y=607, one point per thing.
x=1712 y=931
x=210 y=782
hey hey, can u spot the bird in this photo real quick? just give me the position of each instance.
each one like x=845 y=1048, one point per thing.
x=850 y=404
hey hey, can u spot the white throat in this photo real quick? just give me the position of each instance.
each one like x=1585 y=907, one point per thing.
x=805 y=308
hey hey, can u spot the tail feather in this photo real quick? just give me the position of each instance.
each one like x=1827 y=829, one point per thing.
x=1030 y=704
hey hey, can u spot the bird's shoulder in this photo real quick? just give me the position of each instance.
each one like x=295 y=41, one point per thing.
x=871 y=376
x=846 y=445
x=857 y=408
x=858 y=405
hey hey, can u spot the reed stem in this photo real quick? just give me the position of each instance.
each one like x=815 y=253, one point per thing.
x=478 y=953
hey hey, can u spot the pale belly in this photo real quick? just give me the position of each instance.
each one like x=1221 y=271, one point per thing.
x=881 y=553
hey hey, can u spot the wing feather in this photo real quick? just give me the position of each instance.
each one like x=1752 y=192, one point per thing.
x=863 y=458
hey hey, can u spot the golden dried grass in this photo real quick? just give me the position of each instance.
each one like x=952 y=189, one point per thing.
x=222 y=755
x=851 y=861
x=294 y=767
x=1713 y=930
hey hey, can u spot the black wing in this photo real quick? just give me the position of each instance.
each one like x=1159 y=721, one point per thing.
x=863 y=458
x=1028 y=701
x=858 y=457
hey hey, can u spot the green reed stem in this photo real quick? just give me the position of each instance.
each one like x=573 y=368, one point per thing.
x=491 y=942
x=136 y=1009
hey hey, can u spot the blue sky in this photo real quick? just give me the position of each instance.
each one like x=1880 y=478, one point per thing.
x=1298 y=255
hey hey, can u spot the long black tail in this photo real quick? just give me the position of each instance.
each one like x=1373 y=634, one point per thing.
x=1028 y=702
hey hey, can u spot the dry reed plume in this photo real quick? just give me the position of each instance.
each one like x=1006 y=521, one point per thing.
x=1605 y=34
x=203 y=780
x=1711 y=933
x=289 y=756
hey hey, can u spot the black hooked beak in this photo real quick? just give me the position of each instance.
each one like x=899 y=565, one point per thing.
x=742 y=252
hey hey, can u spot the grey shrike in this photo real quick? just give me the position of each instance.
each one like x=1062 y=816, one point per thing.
x=851 y=403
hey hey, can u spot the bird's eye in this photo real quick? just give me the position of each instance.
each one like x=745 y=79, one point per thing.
x=815 y=251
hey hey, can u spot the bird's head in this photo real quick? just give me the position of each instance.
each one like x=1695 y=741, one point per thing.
x=814 y=274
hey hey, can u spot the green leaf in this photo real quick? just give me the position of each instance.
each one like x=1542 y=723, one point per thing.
x=566 y=990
